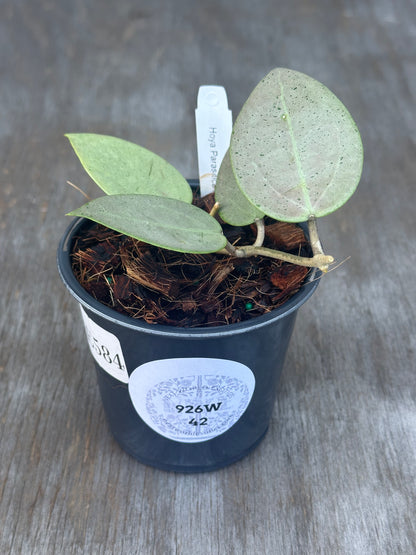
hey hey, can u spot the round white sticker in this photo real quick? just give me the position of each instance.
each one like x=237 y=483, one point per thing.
x=191 y=399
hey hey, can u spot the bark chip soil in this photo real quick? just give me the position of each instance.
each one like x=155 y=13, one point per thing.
x=189 y=290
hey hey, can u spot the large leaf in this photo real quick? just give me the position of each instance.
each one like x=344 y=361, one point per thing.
x=235 y=208
x=122 y=167
x=295 y=149
x=160 y=221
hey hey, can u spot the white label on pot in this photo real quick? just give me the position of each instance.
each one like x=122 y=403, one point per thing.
x=191 y=399
x=213 y=131
x=106 y=349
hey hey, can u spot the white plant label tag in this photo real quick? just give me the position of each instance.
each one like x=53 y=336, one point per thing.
x=105 y=348
x=190 y=400
x=213 y=132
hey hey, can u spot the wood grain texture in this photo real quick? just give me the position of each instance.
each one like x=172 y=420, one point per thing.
x=336 y=472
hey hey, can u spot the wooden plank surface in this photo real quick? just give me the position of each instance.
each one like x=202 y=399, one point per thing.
x=336 y=472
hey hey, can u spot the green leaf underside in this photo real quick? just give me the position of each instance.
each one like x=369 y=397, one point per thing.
x=295 y=149
x=235 y=208
x=121 y=167
x=159 y=221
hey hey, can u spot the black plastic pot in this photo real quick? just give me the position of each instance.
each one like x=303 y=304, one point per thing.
x=187 y=400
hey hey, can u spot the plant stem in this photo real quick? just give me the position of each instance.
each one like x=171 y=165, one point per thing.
x=214 y=209
x=320 y=261
x=229 y=249
x=315 y=241
x=260 y=232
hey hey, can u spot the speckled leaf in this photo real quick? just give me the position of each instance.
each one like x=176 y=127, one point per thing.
x=160 y=221
x=235 y=208
x=122 y=167
x=295 y=149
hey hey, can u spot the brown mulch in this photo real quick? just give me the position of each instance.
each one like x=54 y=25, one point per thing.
x=188 y=290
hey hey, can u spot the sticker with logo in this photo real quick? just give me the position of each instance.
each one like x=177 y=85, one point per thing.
x=190 y=400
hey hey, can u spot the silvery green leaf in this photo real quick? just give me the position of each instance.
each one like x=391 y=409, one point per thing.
x=122 y=167
x=160 y=221
x=295 y=149
x=235 y=208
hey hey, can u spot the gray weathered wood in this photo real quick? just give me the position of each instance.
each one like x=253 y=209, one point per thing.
x=336 y=472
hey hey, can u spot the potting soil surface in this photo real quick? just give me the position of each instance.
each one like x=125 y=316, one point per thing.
x=189 y=290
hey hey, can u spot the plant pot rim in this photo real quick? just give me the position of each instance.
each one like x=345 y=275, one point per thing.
x=92 y=304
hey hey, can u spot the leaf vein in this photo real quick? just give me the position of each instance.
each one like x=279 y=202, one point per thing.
x=295 y=150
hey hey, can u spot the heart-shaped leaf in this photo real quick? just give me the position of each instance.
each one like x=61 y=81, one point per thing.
x=122 y=167
x=160 y=221
x=295 y=149
x=235 y=208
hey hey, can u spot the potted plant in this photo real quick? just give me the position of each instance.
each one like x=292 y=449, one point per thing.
x=198 y=398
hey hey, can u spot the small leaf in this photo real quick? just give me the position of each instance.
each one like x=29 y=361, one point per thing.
x=122 y=167
x=159 y=221
x=235 y=208
x=295 y=149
